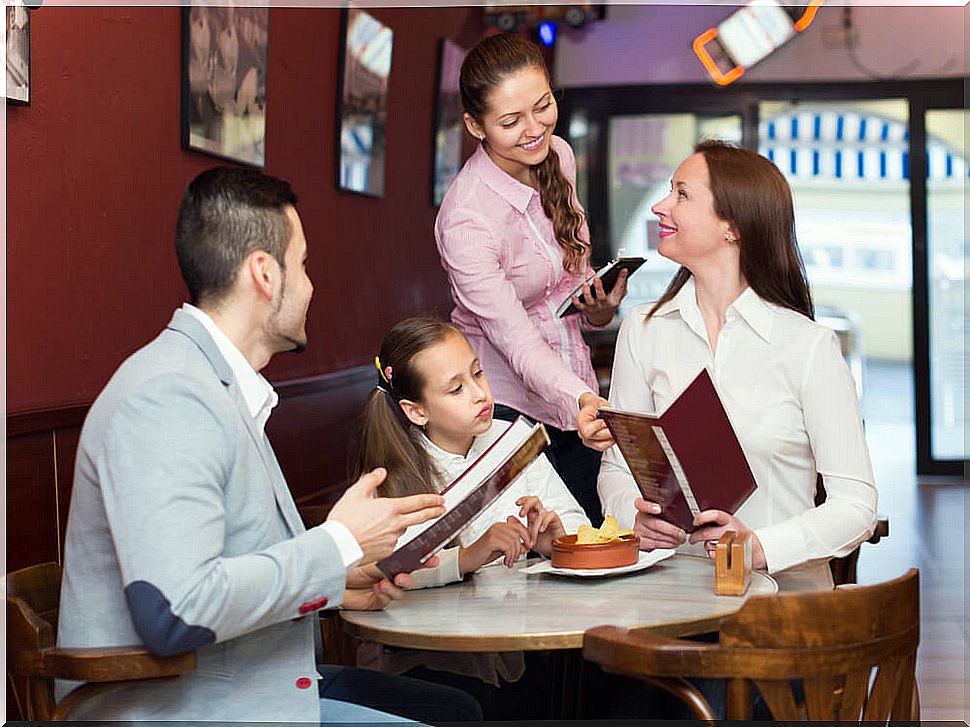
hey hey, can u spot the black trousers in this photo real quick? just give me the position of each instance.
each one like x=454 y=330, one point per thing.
x=415 y=699
x=577 y=464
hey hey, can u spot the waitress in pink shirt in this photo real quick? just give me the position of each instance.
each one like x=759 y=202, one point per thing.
x=514 y=242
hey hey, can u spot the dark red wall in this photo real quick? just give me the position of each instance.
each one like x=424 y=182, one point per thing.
x=95 y=173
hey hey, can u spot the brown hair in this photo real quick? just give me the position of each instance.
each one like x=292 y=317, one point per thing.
x=387 y=438
x=485 y=67
x=751 y=194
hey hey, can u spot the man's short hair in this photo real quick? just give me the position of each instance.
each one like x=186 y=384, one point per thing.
x=227 y=213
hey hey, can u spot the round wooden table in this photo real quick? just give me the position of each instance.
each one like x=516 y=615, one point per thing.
x=499 y=609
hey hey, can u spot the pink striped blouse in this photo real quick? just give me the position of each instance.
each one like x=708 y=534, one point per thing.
x=506 y=274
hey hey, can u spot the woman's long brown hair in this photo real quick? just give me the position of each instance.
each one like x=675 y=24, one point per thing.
x=751 y=194
x=387 y=439
x=485 y=67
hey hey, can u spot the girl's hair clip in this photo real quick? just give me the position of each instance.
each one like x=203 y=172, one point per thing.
x=384 y=371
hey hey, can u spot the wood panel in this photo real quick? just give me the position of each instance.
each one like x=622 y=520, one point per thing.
x=313 y=431
x=31 y=501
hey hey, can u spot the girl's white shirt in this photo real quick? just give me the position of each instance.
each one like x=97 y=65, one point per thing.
x=539 y=479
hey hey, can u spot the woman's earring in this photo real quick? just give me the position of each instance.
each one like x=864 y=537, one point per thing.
x=730 y=237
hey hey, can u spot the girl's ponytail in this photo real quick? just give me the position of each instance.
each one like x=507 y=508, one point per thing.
x=387 y=438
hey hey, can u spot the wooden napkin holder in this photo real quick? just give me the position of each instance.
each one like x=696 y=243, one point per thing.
x=732 y=563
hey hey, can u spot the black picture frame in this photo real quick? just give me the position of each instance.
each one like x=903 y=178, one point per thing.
x=225 y=53
x=362 y=89
x=18 y=55
x=449 y=127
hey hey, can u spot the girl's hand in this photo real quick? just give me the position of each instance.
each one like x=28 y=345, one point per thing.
x=715 y=522
x=593 y=431
x=544 y=525
x=600 y=310
x=655 y=532
x=509 y=539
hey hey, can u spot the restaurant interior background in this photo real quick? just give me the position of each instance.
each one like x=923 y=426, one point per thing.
x=864 y=112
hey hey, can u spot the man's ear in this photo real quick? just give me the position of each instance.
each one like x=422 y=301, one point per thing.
x=264 y=271
x=414 y=412
x=474 y=128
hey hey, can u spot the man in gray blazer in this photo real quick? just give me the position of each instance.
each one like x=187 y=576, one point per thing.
x=182 y=533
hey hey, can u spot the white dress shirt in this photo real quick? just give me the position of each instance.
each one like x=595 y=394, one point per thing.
x=792 y=403
x=260 y=399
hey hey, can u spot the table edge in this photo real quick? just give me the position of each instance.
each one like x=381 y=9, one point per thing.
x=527 y=642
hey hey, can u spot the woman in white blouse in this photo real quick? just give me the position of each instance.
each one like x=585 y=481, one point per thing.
x=740 y=306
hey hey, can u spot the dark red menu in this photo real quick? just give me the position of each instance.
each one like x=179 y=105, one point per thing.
x=469 y=494
x=687 y=459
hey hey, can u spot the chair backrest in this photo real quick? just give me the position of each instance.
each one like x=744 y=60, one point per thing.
x=32 y=596
x=852 y=649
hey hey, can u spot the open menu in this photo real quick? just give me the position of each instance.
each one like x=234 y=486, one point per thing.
x=608 y=274
x=469 y=495
x=687 y=459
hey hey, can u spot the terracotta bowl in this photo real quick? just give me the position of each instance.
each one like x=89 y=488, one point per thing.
x=618 y=553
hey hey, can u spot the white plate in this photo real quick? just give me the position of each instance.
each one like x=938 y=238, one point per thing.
x=644 y=561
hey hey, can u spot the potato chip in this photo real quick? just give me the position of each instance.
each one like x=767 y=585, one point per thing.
x=606 y=533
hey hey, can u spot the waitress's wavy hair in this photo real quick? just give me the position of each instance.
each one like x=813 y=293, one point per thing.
x=485 y=67
x=751 y=194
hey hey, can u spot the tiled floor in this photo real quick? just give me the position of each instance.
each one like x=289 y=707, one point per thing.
x=927 y=526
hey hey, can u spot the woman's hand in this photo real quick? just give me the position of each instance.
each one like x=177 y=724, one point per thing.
x=510 y=539
x=713 y=524
x=593 y=431
x=654 y=531
x=544 y=525
x=600 y=310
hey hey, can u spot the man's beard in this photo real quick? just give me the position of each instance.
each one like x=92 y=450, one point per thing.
x=297 y=346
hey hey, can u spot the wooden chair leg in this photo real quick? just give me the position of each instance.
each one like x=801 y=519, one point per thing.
x=738 y=698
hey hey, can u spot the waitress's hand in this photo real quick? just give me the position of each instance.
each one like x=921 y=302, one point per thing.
x=713 y=524
x=654 y=531
x=600 y=310
x=593 y=431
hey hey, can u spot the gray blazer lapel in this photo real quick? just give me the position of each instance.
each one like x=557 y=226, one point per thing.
x=189 y=326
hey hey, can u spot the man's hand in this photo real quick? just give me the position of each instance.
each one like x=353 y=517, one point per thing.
x=372 y=599
x=544 y=525
x=377 y=522
x=593 y=431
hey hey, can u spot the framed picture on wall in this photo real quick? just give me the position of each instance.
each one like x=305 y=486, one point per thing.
x=224 y=60
x=365 y=69
x=18 y=54
x=449 y=129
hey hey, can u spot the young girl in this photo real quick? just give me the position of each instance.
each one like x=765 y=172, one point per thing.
x=429 y=419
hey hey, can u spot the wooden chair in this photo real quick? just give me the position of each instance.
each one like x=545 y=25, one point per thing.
x=829 y=640
x=844 y=570
x=34 y=661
